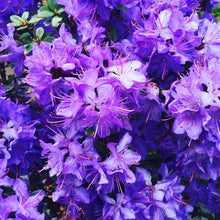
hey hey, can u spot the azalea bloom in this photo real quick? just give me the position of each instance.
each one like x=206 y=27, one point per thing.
x=121 y=158
x=126 y=72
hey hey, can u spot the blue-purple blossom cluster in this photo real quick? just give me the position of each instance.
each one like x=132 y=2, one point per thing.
x=118 y=113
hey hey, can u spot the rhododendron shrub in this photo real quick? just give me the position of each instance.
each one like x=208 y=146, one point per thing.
x=109 y=109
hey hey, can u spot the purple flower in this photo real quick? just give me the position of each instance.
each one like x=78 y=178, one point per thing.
x=7 y=205
x=27 y=207
x=101 y=107
x=119 y=209
x=162 y=200
x=121 y=158
x=80 y=156
x=17 y=132
x=80 y=10
x=126 y=72
x=17 y=53
x=211 y=41
x=189 y=106
x=70 y=192
x=55 y=156
x=51 y=62
x=90 y=31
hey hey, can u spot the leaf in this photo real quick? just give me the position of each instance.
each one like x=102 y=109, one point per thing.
x=216 y=11
x=48 y=39
x=47 y=23
x=52 y=4
x=16 y=20
x=44 y=8
x=34 y=19
x=40 y=32
x=22 y=28
x=122 y=8
x=29 y=48
x=102 y=149
x=113 y=33
x=45 y=14
x=25 y=34
x=61 y=10
x=47 y=34
x=25 y=15
x=56 y=21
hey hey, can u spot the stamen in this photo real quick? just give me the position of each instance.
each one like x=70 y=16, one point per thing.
x=180 y=201
x=3 y=10
x=191 y=178
x=119 y=186
x=178 y=163
x=64 y=178
x=144 y=201
x=122 y=158
x=109 y=213
x=83 y=157
x=3 y=174
x=32 y=97
x=10 y=88
x=92 y=182
x=148 y=115
x=181 y=126
x=61 y=136
x=164 y=70
x=158 y=15
x=34 y=200
x=44 y=168
x=167 y=119
x=216 y=194
x=29 y=126
x=20 y=154
x=189 y=143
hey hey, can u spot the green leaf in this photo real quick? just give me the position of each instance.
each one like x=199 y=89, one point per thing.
x=40 y=32
x=61 y=10
x=29 y=48
x=25 y=15
x=48 y=39
x=22 y=28
x=44 y=8
x=201 y=13
x=122 y=8
x=102 y=149
x=216 y=11
x=112 y=33
x=47 y=34
x=34 y=19
x=25 y=34
x=45 y=14
x=52 y=4
x=47 y=23
x=16 y=20
x=56 y=21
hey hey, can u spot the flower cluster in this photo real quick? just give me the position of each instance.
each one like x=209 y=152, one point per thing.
x=113 y=111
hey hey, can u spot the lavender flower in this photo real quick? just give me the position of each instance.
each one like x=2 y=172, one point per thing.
x=119 y=209
x=70 y=192
x=121 y=158
x=27 y=207
x=126 y=73
x=17 y=53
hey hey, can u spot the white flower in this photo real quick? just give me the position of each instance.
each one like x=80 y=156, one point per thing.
x=126 y=73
